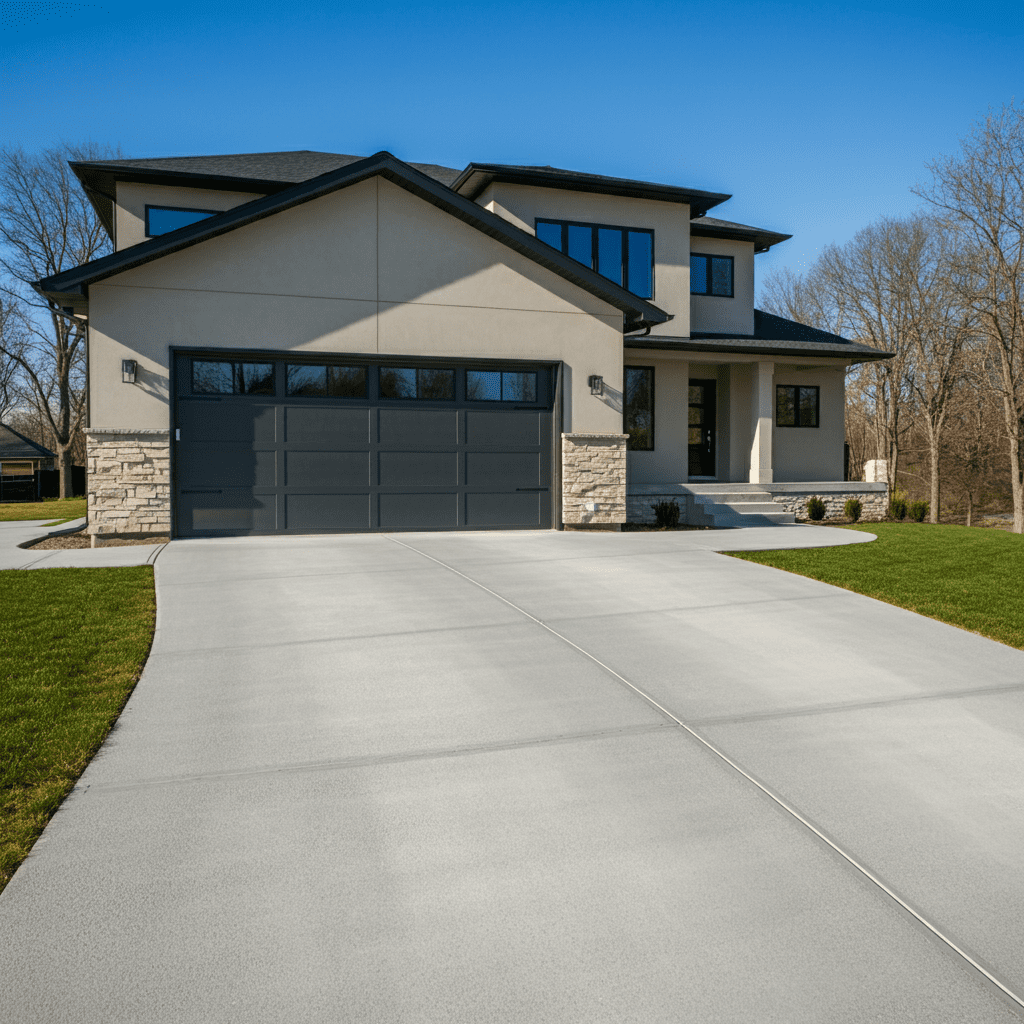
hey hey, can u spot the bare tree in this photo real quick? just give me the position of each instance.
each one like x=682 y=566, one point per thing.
x=980 y=194
x=941 y=327
x=48 y=225
x=11 y=340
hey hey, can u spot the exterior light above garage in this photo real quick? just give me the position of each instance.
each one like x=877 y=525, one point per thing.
x=128 y=367
x=596 y=384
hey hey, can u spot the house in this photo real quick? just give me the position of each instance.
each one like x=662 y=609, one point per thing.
x=20 y=463
x=301 y=342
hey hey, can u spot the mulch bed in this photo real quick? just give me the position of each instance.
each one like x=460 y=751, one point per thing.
x=82 y=540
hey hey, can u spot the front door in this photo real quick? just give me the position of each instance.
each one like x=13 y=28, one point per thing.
x=702 y=428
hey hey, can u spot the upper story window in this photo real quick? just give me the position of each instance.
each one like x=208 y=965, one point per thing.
x=710 y=275
x=161 y=219
x=623 y=255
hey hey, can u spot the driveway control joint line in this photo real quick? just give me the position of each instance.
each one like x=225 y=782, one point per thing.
x=771 y=794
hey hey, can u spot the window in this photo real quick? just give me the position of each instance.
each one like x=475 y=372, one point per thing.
x=495 y=386
x=796 y=406
x=623 y=255
x=211 y=377
x=638 y=408
x=710 y=275
x=428 y=384
x=326 y=381
x=161 y=219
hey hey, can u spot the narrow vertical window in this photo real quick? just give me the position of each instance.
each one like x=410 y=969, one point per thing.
x=638 y=408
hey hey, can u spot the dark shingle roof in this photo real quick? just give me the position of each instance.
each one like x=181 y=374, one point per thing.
x=712 y=227
x=476 y=177
x=773 y=336
x=265 y=173
x=16 y=446
x=70 y=288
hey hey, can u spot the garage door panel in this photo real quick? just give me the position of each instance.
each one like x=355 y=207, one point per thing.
x=227 y=465
x=503 y=470
x=419 y=511
x=327 y=511
x=326 y=426
x=502 y=428
x=227 y=421
x=324 y=468
x=235 y=509
x=418 y=428
x=483 y=510
x=419 y=469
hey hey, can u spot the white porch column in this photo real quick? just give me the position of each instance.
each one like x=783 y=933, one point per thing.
x=761 y=418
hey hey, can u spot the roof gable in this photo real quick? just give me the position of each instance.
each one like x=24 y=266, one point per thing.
x=637 y=312
x=16 y=446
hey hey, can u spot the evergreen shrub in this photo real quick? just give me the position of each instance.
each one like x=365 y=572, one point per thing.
x=815 y=509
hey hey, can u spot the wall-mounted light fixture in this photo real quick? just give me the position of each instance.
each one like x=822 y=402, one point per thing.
x=596 y=384
x=128 y=367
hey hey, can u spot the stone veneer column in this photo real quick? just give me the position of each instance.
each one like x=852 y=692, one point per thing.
x=593 y=474
x=128 y=481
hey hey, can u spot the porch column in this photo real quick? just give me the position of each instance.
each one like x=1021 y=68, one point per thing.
x=684 y=369
x=761 y=417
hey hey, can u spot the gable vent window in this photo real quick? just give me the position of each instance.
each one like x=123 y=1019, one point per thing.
x=623 y=255
x=162 y=219
x=711 y=275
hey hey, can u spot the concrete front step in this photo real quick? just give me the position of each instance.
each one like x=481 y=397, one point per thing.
x=733 y=520
x=731 y=497
x=741 y=507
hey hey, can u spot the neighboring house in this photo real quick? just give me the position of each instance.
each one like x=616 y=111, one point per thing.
x=301 y=342
x=20 y=463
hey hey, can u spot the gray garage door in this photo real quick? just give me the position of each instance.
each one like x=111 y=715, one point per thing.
x=279 y=445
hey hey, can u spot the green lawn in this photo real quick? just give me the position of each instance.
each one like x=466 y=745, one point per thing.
x=72 y=645
x=968 y=577
x=58 y=509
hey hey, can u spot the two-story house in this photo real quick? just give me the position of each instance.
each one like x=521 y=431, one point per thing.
x=301 y=342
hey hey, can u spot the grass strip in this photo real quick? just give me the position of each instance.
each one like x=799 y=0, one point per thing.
x=72 y=646
x=968 y=577
x=61 y=509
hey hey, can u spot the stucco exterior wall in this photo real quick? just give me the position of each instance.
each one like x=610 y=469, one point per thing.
x=523 y=204
x=369 y=269
x=808 y=453
x=133 y=198
x=717 y=312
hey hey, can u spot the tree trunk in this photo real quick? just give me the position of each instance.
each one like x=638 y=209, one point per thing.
x=1017 y=483
x=64 y=463
x=970 y=507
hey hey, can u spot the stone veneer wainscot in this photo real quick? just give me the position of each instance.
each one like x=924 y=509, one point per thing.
x=129 y=481
x=593 y=471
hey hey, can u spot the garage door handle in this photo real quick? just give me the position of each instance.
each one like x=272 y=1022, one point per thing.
x=202 y=492
x=531 y=488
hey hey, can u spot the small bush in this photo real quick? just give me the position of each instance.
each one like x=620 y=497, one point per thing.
x=815 y=509
x=853 y=508
x=898 y=508
x=666 y=514
x=918 y=511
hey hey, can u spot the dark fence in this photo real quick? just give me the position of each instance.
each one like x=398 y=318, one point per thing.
x=44 y=484
x=49 y=482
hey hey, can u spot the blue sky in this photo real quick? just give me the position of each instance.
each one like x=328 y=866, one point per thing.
x=816 y=119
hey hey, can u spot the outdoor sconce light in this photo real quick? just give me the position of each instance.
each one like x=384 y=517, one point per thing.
x=596 y=385
x=128 y=371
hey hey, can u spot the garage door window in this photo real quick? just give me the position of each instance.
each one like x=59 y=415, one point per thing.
x=424 y=384
x=326 y=381
x=492 y=386
x=224 y=378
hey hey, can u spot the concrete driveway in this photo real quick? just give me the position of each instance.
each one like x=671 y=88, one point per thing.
x=534 y=777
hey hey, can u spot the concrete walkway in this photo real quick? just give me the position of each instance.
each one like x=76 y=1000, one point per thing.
x=14 y=557
x=534 y=777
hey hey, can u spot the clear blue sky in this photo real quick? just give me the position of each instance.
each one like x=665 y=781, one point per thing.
x=816 y=118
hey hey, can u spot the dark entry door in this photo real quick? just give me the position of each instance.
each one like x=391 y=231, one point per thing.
x=702 y=428
x=271 y=445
